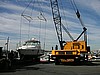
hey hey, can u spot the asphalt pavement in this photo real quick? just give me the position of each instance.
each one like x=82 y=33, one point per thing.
x=52 y=69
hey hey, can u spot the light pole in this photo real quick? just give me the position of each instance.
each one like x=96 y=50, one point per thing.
x=7 y=46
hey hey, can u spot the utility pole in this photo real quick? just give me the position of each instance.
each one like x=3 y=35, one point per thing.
x=7 y=46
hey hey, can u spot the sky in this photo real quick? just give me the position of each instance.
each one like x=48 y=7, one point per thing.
x=41 y=27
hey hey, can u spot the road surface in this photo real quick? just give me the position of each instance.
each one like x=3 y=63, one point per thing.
x=52 y=69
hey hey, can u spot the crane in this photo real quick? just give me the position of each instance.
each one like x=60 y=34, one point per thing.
x=71 y=50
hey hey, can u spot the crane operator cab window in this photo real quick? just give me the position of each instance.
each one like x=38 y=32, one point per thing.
x=79 y=45
x=76 y=45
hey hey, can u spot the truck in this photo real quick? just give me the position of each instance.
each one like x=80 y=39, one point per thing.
x=70 y=51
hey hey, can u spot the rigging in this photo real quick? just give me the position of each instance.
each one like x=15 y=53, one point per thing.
x=29 y=18
x=79 y=17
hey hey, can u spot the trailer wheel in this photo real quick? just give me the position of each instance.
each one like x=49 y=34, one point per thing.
x=37 y=59
x=21 y=57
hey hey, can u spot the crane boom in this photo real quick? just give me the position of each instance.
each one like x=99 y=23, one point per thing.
x=57 y=22
x=84 y=28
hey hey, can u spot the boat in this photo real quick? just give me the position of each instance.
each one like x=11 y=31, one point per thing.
x=31 y=49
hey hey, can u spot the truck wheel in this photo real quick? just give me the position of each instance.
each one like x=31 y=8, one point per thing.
x=77 y=60
x=57 y=61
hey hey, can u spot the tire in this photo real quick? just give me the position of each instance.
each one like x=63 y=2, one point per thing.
x=37 y=60
x=57 y=61
x=22 y=57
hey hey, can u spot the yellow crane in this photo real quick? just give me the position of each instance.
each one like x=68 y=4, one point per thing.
x=71 y=51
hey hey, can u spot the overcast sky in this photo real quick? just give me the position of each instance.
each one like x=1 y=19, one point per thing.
x=17 y=28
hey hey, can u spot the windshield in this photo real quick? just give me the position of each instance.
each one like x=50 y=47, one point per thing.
x=32 y=44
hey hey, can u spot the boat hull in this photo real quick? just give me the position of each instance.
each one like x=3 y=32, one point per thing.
x=30 y=53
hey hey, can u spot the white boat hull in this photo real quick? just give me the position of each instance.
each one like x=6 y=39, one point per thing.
x=31 y=52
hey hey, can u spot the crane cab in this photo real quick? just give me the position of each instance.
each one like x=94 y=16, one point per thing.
x=75 y=45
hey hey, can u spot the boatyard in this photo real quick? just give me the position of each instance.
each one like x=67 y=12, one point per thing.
x=51 y=68
x=49 y=37
x=47 y=67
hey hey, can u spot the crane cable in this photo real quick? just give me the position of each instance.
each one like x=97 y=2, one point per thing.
x=26 y=7
x=66 y=22
x=78 y=16
x=45 y=36
x=30 y=20
x=41 y=17
x=64 y=13
x=28 y=17
x=40 y=21
x=74 y=5
x=77 y=12
x=20 y=41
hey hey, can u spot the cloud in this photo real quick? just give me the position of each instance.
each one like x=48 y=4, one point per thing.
x=89 y=5
x=10 y=20
x=10 y=23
